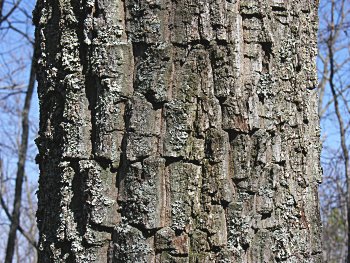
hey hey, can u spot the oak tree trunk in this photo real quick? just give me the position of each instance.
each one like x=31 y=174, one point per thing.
x=178 y=131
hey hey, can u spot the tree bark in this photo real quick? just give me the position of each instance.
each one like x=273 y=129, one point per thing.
x=178 y=131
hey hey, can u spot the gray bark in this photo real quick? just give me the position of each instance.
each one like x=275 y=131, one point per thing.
x=178 y=131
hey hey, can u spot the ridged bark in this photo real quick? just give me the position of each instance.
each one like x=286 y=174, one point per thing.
x=178 y=131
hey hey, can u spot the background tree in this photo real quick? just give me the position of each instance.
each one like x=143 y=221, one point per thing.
x=178 y=131
x=334 y=112
x=16 y=90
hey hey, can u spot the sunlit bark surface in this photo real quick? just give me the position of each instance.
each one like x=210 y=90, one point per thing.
x=178 y=131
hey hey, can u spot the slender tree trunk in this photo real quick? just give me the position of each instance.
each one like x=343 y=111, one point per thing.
x=22 y=155
x=342 y=129
x=1 y=7
x=178 y=131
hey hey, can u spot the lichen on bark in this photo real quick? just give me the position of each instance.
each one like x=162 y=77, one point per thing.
x=178 y=131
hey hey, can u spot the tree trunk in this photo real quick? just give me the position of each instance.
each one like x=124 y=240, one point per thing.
x=178 y=131
x=21 y=164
